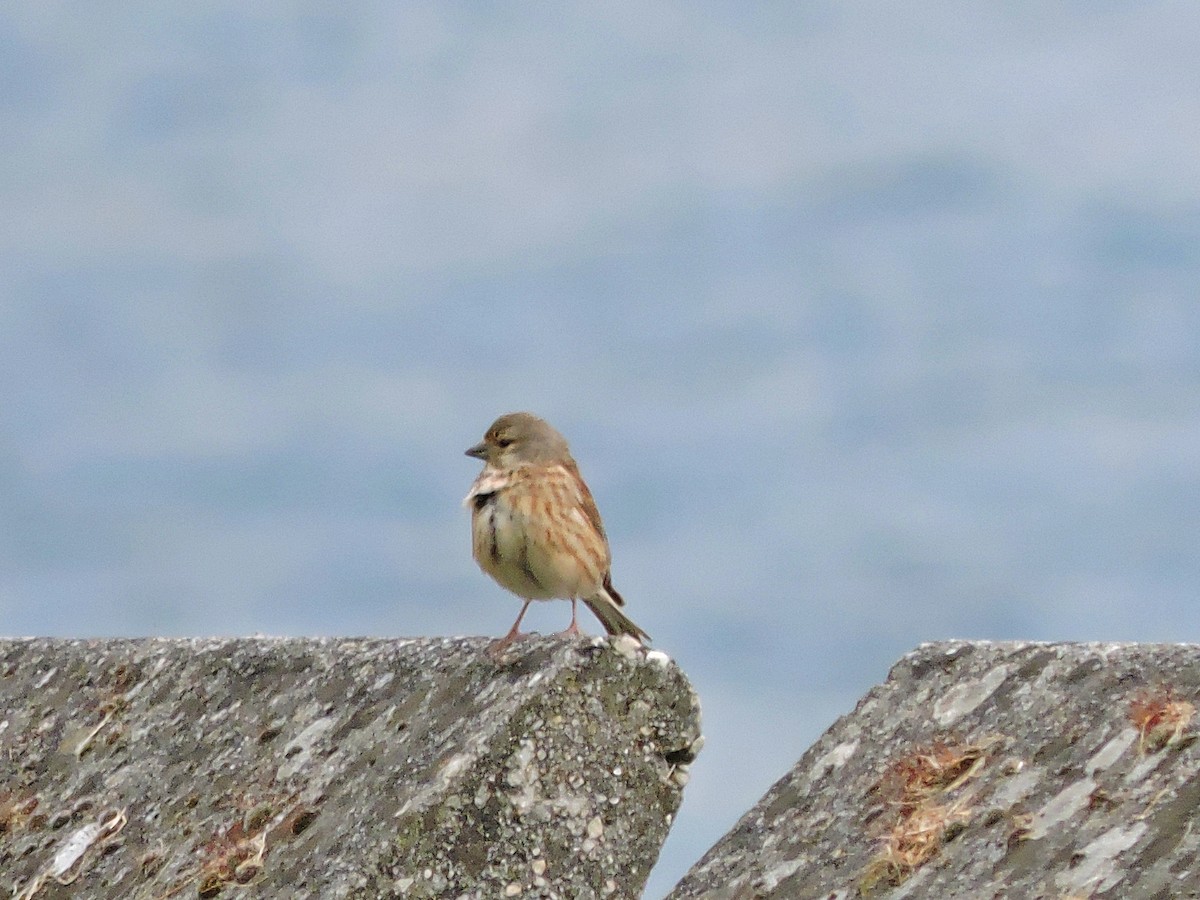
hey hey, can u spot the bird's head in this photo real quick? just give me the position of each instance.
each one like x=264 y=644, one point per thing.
x=517 y=438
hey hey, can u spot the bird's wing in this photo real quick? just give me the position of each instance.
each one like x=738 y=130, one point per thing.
x=586 y=503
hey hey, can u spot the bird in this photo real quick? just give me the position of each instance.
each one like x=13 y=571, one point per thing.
x=535 y=528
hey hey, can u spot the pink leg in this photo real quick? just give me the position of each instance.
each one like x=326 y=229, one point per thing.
x=573 y=629
x=514 y=633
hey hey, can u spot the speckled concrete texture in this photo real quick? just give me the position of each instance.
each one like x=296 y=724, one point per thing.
x=1013 y=771
x=337 y=768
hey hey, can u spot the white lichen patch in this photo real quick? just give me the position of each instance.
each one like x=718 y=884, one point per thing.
x=963 y=699
x=1096 y=871
x=383 y=681
x=1144 y=767
x=1061 y=807
x=835 y=758
x=780 y=872
x=1018 y=786
x=1111 y=751
x=523 y=776
x=299 y=750
x=454 y=766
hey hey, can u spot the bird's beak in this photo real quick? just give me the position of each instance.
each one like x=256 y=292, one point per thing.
x=479 y=451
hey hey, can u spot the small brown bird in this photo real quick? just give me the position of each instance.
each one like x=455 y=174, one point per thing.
x=535 y=527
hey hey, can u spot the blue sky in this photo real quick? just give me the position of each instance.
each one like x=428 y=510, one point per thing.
x=868 y=326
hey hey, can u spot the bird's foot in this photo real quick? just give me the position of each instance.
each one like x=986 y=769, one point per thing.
x=498 y=647
x=570 y=631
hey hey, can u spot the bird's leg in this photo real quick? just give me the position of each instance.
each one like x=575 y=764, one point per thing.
x=514 y=633
x=573 y=629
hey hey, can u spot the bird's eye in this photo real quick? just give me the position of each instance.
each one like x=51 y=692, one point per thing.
x=503 y=442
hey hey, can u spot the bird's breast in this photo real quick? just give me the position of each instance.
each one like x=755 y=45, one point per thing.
x=530 y=535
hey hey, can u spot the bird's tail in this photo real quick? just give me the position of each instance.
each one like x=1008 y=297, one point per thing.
x=607 y=606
